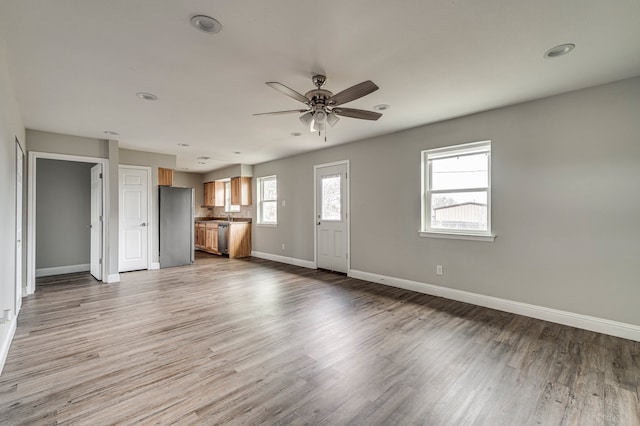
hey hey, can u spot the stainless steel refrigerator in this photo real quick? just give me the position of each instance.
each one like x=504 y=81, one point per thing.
x=176 y=226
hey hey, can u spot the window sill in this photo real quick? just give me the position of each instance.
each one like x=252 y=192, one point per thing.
x=455 y=236
x=267 y=225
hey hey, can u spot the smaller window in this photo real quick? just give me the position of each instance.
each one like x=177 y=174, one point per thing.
x=456 y=196
x=228 y=207
x=268 y=200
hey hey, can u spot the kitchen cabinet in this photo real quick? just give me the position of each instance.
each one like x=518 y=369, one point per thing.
x=165 y=177
x=211 y=237
x=214 y=194
x=209 y=194
x=238 y=238
x=241 y=191
x=200 y=235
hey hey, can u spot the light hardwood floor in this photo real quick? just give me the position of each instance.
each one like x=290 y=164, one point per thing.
x=249 y=341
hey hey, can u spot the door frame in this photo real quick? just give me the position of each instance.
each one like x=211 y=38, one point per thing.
x=347 y=206
x=150 y=223
x=19 y=268
x=31 y=210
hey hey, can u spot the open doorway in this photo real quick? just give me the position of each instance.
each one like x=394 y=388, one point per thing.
x=66 y=212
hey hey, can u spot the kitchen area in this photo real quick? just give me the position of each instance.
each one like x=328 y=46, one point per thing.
x=222 y=209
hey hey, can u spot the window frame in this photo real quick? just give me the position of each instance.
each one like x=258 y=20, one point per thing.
x=261 y=200
x=427 y=156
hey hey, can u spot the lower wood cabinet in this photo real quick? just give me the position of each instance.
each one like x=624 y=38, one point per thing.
x=238 y=234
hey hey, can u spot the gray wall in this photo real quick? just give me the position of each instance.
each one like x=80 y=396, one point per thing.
x=150 y=159
x=66 y=144
x=192 y=180
x=566 y=209
x=63 y=200
x=10 y=127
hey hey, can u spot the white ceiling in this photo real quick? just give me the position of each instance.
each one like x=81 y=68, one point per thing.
x=77 y=64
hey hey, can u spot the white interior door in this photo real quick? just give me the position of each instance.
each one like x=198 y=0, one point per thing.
x=19 y=173
x=331 y=217
x=96 y=222
x=134 y=218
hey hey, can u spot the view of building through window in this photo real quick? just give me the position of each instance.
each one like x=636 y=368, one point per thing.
x=457 y=186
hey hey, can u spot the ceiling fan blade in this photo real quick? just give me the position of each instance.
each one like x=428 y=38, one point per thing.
x=357 y=113
x=287 y=91
x=352 y=93
x=291 y=111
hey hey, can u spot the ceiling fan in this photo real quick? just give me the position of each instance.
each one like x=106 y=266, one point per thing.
x=323 y=106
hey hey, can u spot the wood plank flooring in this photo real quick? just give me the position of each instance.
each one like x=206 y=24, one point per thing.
x=248 y=341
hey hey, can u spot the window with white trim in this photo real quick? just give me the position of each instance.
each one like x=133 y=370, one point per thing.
x=456 y=196
x=267 y=200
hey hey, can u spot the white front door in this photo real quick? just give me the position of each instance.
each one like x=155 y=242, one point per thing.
x=331 y=217
x=96 y=222
x=134 y=218
x=19 y=172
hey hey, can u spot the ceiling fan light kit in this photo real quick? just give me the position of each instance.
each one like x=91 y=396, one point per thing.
x=322 y=104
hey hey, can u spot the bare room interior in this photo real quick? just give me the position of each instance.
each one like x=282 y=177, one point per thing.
x=299 y=213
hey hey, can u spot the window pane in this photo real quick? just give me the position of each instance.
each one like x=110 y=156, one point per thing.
x=331 y=203
x=459 y=210
x=467 y=171
x=269 y=212
x=269 y=189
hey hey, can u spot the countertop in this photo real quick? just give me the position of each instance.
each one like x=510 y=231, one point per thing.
x=223 y=220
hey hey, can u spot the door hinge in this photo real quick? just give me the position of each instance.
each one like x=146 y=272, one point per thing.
x=100 y=218
x=100 y=176
x=100 y=262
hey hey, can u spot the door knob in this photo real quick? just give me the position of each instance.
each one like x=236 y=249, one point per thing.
x=318 y=223
x=89 y=226
x=144 y=224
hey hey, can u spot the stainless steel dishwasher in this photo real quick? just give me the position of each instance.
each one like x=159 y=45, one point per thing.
x=223 y=237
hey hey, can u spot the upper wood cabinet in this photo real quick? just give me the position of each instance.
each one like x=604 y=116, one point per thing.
x=165 y=177
x=214 y=194
x=209 y=194
x=241 y=191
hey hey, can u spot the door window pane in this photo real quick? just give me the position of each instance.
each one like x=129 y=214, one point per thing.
x=331 y=201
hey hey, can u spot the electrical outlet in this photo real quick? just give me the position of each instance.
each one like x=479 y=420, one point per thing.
x=439 y=270
x=283 y=246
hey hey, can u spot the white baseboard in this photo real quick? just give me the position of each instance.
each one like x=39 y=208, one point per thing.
x=59 y=270
x=113 y=278
x=6 y=340
x=154 y=265
x=283 y=259
x=586 y=322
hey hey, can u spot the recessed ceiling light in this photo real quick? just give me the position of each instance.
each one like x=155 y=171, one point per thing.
x=381 y=107
x=111 y=133
x=185 y=168
x=237 y=152
x=206 y=24
x=560 y=50
x=183 y=144
x=147 y=96
x=295 y=134
x=201 y=162
x=203 y=158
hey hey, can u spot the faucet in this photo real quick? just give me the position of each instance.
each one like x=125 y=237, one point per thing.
x=228 y=217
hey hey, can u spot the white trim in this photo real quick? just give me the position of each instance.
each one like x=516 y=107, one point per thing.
x=347 y=213
x=451 y=236
x=283 y=259
x=31 y=210
x=267 y=225
x=59 y=270
x=6 y=341
x=154 y=265
x=149 y=211
x=586 y=322
x=113 y=278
